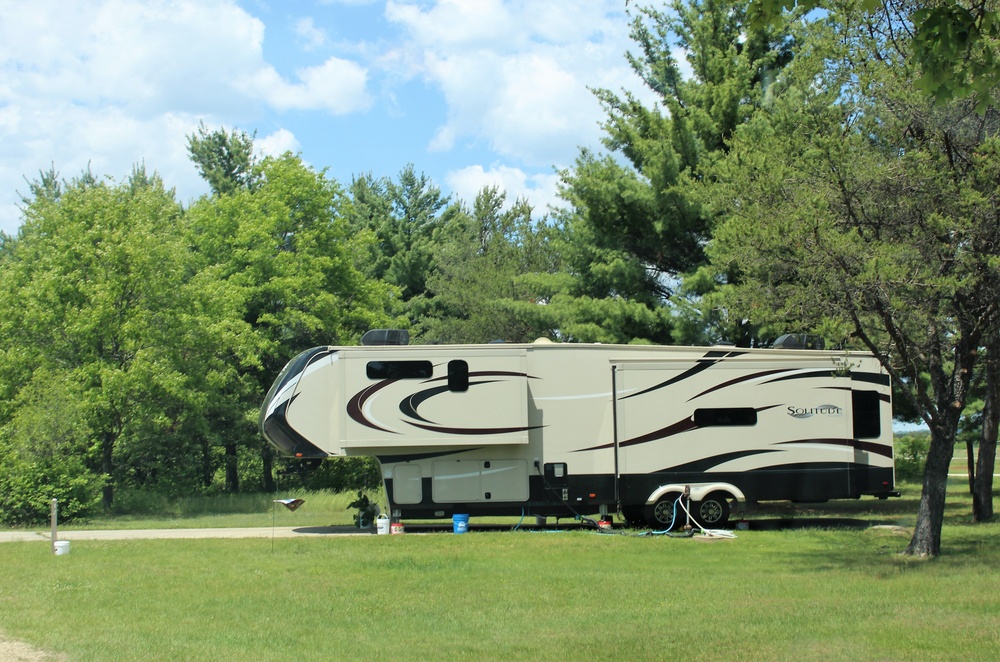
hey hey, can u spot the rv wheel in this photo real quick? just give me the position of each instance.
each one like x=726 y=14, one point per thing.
x=661 y=514
x=713 y=510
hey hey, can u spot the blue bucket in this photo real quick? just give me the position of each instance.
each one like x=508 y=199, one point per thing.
x=460 y=523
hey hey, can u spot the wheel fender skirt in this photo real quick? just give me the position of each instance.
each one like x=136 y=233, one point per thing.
x=698 y=491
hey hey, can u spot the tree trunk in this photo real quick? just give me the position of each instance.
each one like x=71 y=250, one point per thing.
x=107 y=468
x=926 y=539
x=982 y=486
x=207 y=468
x=267 y=456
x=982 y=491
x=232 y=470
x=970 y=459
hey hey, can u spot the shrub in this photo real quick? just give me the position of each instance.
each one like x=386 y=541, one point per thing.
x=43 y=454
x=911 y=455
x=28 y=487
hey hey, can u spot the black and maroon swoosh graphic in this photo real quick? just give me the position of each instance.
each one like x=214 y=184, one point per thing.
x=355 y=408
x=409 y=406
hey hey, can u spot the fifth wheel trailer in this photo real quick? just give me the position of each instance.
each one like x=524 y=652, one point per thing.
x=562 y=430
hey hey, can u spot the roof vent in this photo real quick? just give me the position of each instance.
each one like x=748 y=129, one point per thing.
x=386 y=337
x=798 y=341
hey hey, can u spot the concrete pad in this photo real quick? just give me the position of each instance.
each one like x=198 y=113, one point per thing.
x=22 y=536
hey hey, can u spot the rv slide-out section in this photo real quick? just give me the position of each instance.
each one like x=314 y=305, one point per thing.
x=563 y=429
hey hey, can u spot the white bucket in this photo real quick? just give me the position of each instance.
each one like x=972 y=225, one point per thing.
x=382 y=525
x=61 y=547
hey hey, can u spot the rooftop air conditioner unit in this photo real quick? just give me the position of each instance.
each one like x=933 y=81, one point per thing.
x=386 y=337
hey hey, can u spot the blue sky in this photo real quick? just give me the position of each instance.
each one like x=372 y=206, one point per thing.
x=472 y=92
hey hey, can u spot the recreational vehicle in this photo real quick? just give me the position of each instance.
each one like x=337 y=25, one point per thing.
x=548 y=429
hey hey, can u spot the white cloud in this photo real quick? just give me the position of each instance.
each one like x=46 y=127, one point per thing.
x=278 y=143
x=540 y=190
x=336 y=86
x=116 y=82
x=138 y=56
x=452 y=25
x=109 y=141
x=310 y=36
x=515 y=75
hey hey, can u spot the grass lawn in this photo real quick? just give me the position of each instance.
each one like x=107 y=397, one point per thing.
x=792 y=594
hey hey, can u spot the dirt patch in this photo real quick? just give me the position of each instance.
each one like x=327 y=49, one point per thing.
x=12 y=650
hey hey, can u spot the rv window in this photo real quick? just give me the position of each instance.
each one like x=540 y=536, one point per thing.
x=400 y=369
x=730 y=416
x=867 y=423
x=458 y=376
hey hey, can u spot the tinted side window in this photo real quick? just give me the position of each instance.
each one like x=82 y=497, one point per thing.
x=458 y=376
x=399 y=369
x=867 y=422
x=728 y=416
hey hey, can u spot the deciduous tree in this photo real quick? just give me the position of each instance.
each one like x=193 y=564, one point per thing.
x=282 y=262
x=955 y=43
x=855 y=204
x=91 y=287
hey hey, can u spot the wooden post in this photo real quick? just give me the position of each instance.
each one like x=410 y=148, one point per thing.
x=55 y=517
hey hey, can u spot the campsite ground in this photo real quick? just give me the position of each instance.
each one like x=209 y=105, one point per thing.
x=830 y=584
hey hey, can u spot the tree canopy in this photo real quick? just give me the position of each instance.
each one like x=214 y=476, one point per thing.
x=90 y=286
x=155 y=331
x=954 y=42
x=636 y=226
x=858 y=208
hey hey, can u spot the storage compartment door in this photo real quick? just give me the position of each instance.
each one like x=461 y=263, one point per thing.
x=473 y=481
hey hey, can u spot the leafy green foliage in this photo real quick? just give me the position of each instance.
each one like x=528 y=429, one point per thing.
x=337 y=474
x=224 y=160
x=402 y=216
x=278 y=261
x=855 y=203
x=954 y=42
x=957 y=49
x=477 y=291
x=910 y=454
x=637 y=222
x=44 y=453
x=155 y=333
x=91 y=283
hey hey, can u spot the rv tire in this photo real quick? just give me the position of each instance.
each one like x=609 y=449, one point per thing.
x=713 y=510
x=660 y=515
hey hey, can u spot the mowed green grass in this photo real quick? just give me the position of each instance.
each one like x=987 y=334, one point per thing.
x=793 y=594
x=805 y=594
